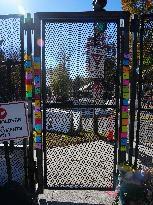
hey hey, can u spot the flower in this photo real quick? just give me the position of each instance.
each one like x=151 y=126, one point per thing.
x=135 y=183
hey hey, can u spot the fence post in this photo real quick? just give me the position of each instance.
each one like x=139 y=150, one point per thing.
x=29 y=82
x=38 y=96
x=133 y=80
x=124 y=91
x=139 y=89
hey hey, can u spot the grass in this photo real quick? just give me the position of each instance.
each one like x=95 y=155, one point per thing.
x=62 y=140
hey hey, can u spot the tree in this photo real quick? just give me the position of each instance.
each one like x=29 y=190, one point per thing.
x=137 y=6
x=60 y=82
x=78 y=85
x=110 y=77
x=11 y=83
x=143 y=7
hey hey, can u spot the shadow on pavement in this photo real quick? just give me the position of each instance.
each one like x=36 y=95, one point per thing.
x=44 y=202
x=145 y=159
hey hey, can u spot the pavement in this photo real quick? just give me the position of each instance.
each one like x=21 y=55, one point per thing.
x=86 y=165
x=75 y=163
x=76 y=197
x=89 y=165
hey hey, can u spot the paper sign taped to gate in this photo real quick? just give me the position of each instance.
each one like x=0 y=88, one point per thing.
x=13 y=121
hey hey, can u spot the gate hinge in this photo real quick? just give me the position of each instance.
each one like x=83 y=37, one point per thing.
x=134 y=24
x=29 y=25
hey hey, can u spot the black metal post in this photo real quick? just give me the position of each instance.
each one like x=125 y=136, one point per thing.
x=39 y=152
x=124 y=45
x=121 y=154
x=22 y=57
x=139 y=91
x=117 y=109
x=31 y=182
x=44 y=97
x=133 y=79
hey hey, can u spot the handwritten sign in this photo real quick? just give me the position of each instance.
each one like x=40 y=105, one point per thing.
x=13 y=121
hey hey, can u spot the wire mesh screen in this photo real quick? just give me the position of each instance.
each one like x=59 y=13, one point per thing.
x=11 y=73
x=146 y=116
x=17 y=166
x=11 y=89
x=82 y=58
x=10 y=38
x=3 y=168
x=80 y=63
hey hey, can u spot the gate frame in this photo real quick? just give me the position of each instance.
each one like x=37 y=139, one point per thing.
x=111 y=16
x=139 y=92
x=9 y=148
x=123 y=35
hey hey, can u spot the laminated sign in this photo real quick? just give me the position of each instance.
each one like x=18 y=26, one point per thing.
x=96 y=62
x=13 y=121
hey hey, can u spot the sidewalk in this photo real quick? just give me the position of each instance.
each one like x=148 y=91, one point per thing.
x=76 y=197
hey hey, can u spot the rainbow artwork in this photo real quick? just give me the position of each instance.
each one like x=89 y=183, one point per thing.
x=125 y=103
x=37 y=115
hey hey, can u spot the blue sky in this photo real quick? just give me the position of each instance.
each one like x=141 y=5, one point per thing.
x=32 y=6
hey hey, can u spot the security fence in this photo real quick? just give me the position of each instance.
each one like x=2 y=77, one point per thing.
x=89 y=98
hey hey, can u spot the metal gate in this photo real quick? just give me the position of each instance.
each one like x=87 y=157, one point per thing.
x=13 y=154
x=84 y=85
x=81 y=58
x=144 y=148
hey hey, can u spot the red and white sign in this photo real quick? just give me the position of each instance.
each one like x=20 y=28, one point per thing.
x=13 y=121
x=96 y=60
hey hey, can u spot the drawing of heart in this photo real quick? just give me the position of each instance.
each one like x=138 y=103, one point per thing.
x=3 y=113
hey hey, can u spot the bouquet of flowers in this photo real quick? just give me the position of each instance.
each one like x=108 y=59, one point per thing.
x=148 y=184
x=135 y=184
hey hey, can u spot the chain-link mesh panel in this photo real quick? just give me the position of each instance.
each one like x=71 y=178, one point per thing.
x=11 y=87
x=146 y=117
x=10 y=42
x=3 y=169
x=147 y=69
x=85 y=165
x=145 y=139
x=4 y=84
x=81 y=64
x=77 y=69
x=17 y=165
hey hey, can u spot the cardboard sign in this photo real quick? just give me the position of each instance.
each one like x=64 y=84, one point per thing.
x=13 y=121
